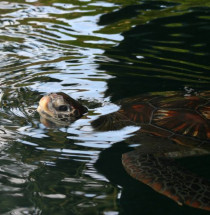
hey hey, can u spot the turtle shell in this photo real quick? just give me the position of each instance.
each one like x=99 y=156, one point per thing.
x=165 y=118
x=171 y=114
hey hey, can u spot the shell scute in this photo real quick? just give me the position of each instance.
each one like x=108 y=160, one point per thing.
x=181 y=121
x=138 y=112
x=183 y=140
x=205 y=94
x=178 y=101
x=205 y=110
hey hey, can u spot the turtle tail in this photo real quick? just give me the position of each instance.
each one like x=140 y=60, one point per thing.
x=165 y=176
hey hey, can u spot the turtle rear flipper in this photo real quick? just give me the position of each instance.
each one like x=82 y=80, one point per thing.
x=165 y=176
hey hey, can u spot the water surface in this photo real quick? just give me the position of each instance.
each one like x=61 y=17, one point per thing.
x=97 y=52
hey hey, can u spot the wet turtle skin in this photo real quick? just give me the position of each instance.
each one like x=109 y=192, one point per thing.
x=59 y=109
x=173 y=125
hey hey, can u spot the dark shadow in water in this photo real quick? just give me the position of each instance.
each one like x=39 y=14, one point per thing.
x=164 y=54
x=131 y=11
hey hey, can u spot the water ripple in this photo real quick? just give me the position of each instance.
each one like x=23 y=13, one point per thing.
x=95 y=51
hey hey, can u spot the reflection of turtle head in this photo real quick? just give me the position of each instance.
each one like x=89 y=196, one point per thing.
x=59 y=109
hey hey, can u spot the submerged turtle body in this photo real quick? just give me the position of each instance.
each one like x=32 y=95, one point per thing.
x=172 y=125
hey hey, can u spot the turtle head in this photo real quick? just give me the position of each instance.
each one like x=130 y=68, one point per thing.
x=59 y=109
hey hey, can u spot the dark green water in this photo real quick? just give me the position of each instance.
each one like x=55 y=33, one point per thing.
x=98 y=52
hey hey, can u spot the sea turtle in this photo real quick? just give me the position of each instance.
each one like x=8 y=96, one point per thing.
x=172 y=125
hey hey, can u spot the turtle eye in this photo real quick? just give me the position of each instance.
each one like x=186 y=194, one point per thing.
x=63 y=108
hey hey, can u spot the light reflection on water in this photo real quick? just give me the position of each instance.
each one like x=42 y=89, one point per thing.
x=82 y=48
x=36 y=54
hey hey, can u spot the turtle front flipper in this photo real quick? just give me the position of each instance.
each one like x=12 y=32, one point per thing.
x=111 y=122
x=165 y=176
